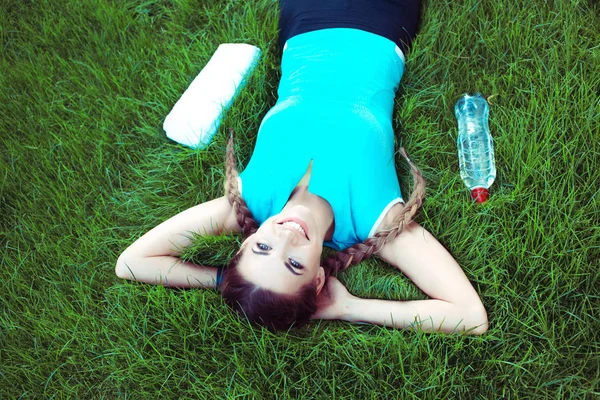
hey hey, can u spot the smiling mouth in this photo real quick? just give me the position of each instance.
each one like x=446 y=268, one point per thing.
x=295 y=226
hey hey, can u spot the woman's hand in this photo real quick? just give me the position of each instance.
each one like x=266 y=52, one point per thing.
x=333 y=300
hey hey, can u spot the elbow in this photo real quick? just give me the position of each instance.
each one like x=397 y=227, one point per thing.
x=477 y=320
x=123 y=267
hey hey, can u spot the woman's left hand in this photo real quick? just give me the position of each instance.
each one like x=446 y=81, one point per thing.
x=332 y=301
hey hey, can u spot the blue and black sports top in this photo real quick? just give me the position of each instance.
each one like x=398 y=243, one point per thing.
x=334 y=107
x=397 y=20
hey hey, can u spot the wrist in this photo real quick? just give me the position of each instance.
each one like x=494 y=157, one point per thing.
x=351 y=304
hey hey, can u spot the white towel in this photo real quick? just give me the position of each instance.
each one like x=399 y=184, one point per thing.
x=196 y=116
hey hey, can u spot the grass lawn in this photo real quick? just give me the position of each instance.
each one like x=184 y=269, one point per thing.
x=85 y=169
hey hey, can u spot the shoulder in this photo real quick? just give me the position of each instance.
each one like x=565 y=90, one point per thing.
x=388 y=220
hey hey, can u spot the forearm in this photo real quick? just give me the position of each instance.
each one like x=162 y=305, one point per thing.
x=167 y=271
x=427 y=315
x=154 y=258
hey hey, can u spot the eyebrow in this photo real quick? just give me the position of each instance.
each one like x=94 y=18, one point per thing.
x=287 y=264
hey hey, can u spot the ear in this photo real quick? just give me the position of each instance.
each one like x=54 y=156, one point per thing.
x=320 y=280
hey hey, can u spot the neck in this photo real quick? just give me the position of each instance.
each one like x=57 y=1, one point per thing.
x=320 y=207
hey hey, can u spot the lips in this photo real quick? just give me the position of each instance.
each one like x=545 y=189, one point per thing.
x=296 y=225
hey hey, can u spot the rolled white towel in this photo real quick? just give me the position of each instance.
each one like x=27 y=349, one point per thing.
x=196 y=116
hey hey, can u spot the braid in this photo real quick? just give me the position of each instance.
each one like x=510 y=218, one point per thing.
x=360 y=251
x=242 y=213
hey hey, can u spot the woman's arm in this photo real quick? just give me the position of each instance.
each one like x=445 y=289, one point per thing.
x=455 y=306
x=154 y=257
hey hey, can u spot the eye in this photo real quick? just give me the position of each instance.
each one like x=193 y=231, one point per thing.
x=263 y=246
x=296 y=264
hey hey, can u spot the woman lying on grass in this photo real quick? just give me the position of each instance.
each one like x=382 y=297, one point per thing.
x=322 y=174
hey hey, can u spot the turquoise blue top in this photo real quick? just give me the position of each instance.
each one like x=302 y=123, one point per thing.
x=334 y=107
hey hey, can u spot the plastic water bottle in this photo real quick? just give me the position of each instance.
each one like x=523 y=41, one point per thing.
x=475 y=145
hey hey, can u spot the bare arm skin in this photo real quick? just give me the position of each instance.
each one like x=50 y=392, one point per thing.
x=454 y=306
x=154 y=257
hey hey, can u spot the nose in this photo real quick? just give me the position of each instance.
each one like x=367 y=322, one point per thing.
x=287 y=236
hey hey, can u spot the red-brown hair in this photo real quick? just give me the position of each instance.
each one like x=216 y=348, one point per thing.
x=272 y=310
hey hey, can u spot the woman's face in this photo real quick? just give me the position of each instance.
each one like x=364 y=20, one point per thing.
x=285 y=252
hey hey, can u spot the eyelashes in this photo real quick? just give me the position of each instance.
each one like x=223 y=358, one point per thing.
x=262 y=246
x=265 y=248
x=296 y=264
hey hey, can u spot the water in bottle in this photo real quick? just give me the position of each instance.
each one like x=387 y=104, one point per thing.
x=475 y=145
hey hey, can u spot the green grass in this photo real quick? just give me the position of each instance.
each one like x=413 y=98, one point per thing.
x=85 y=169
